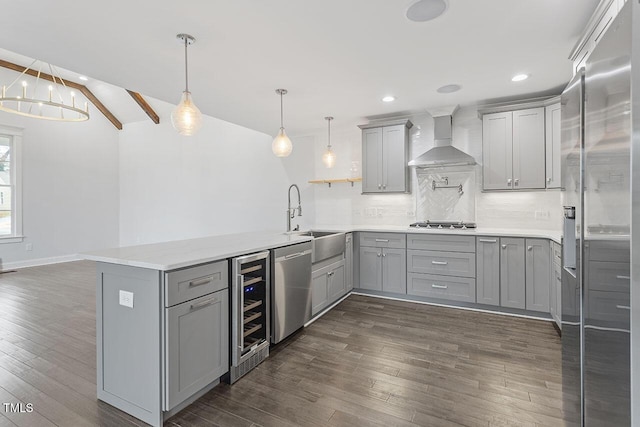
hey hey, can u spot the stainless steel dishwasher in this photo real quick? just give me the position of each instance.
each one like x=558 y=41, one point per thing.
x=290 y=289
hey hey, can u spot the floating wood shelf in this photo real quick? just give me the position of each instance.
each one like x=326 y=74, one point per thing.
x=335 y=181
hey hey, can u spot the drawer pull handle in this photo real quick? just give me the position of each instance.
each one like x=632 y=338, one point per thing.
x=623 y=277
x=382 y=240
x=204 y=303
x=200 y=282
x=293 y=255
x=439 y=286
x=439 y=262
x=488 y=240
x=623 y=307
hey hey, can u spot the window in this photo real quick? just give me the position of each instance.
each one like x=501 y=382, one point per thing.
x=10 y=190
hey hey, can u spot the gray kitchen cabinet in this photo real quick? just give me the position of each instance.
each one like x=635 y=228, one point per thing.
x=488 y=270
x=555 y=297
x=552 y=142
x=537 y=266
x=197 y=337
x=394 y=270
x=512 y=272
x=513 y=150
x=383 y=269
x=348 y=261
x=385 y=153
x=327 y=286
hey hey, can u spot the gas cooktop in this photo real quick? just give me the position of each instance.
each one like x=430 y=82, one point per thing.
x=451 y=225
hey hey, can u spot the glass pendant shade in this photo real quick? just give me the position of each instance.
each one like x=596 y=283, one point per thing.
x=282 y=145
x=186 y=118
x=329 y=158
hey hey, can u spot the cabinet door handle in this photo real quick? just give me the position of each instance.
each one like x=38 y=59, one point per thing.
x=623 y=307
x=516 y=182
x=384 y=255
x=384 y=186
x=204 y=303
x=529 y=248
x=549 y=180
x=379 y=186
x=382 y=240
x=488 y=240
x=439 y=286
x=200 y=282
x=623 y=277
x=331 y=273
x=509 y=182
x=379 y=254
x=504 y=246
x=439 y=262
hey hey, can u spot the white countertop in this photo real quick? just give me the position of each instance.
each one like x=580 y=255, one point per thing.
x=176 y=254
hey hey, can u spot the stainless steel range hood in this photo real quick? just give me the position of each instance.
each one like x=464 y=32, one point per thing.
x=443 y=153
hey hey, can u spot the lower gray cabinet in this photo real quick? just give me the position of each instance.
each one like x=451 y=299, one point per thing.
x=327 y=286
x=538 y=265
x=197 y=345
x=383 y=269
x=512 y=273
x=488 y=270
x=394 y=270
x=348 y=261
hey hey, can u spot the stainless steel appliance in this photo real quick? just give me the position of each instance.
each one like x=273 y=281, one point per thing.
x=443 y=224
x=250 y=322
x=291 y=289
x=597 y=171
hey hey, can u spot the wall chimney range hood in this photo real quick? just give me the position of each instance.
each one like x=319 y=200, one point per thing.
x=443 y=153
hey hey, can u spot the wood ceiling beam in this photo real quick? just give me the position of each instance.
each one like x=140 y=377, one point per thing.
x=144 y=105
x=82 y=88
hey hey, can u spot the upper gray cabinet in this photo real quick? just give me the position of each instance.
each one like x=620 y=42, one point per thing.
x=385 y=153
x=513 y=150
x=552 y=141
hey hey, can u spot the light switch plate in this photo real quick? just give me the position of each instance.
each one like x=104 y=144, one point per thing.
x=126 y=299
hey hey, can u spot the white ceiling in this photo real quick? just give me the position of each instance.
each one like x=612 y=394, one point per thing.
x=336 y=57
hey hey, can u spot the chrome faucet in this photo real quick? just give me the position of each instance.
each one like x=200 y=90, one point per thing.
x=291 y=213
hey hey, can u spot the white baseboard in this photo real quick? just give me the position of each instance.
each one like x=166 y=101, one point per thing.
x=4 y=266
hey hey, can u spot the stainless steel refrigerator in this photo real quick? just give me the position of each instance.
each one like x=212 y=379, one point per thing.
x=597 y=176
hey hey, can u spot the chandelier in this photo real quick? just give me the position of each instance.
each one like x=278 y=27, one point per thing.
x=40 y=100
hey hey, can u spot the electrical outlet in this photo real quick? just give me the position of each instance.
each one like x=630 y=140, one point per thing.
x=126 y=299
x=28 y=246
x=542 y=215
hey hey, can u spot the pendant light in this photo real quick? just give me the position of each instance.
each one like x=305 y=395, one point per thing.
x=281 y=145
x=186 y=117
x=329 y=157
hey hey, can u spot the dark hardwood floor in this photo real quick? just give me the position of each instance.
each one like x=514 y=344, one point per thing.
x=368 y=362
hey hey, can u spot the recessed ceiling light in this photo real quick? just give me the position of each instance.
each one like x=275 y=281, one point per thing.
x=426 y=10
x=519 y=77
x=83 y=78
x=449 y=88
x=389 y=98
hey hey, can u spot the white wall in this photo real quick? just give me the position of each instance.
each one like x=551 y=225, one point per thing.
x=344 y=204
x=70 y=189
x=223 y=180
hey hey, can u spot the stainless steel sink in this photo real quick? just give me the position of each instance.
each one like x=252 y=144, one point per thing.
x=326 y=244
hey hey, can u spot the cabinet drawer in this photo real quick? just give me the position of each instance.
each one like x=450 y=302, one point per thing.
x=443 y=263
x=608 y=250
x=189 y=283
x=383 y=240
x=443 y=287
x=441 y=242
x=609 y=276
x=608 y=309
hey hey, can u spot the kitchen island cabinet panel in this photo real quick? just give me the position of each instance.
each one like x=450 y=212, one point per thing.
x=197 y=345
x=512 y=273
